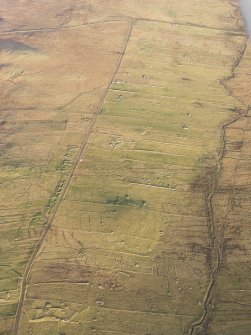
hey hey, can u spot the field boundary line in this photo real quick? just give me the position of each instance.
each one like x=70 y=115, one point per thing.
x=64 y=192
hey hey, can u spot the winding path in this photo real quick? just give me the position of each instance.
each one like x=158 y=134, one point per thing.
x=216 y=241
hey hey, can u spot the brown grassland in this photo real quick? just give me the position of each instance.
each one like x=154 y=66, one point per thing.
x=125 y=168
